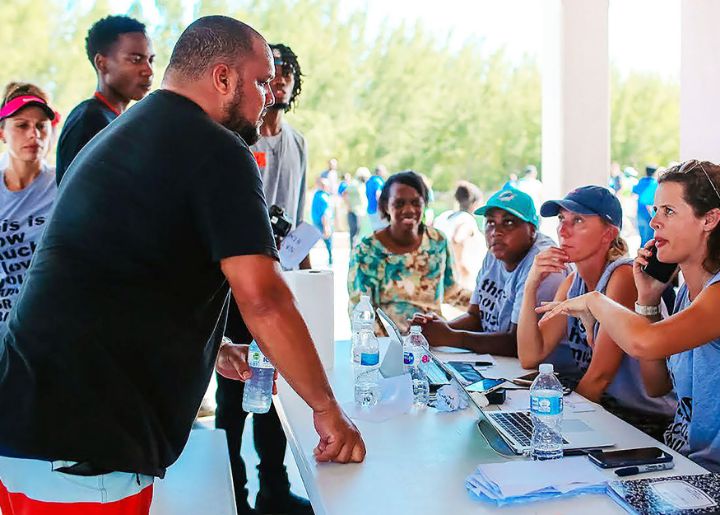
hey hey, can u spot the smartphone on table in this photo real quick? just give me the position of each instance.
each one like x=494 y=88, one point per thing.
x=526 y=381
x=629 y=457
x=467 y=371
x=485 y=385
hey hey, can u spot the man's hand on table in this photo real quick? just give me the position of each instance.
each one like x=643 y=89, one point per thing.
x=232 y=363
x=340 y=440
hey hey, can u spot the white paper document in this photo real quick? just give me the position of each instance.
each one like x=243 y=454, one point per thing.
x=297 y=245
x=527 y=480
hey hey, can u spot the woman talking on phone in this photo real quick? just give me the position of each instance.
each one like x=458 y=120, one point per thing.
x=683 y=350
x=589 y=222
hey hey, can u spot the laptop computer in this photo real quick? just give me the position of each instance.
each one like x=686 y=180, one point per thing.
x=515 y=427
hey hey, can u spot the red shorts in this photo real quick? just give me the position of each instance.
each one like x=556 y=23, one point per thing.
x=33 y=487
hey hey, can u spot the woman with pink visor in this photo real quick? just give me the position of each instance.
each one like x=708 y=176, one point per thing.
x=27 y=185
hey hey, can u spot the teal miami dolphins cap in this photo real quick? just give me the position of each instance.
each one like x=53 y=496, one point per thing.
x=513 y=201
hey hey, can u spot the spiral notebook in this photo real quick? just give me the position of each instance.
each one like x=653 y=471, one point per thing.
x=673 y=495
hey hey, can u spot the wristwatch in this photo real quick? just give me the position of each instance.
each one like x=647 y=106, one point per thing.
x=647 y=311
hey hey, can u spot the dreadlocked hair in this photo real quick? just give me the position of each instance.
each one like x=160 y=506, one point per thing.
x=290 y=65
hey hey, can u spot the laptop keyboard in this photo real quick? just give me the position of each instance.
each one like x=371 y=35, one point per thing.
x=516 y=423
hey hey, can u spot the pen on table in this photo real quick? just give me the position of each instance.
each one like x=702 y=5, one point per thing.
x=580 y=452
x=641 y=469
x=482 y=363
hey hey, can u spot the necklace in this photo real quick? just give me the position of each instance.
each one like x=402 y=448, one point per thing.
x=107 y=104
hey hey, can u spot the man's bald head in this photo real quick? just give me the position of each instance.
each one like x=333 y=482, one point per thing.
x=208 y=41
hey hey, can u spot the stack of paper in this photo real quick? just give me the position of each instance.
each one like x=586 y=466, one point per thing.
x=523 y=481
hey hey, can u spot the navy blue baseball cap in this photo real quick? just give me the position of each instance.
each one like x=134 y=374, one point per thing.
x=588 y=200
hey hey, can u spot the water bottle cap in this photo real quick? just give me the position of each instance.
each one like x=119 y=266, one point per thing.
x=546 y=368
x=415 y=329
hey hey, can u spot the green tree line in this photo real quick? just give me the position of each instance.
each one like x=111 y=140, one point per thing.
x=397 y=95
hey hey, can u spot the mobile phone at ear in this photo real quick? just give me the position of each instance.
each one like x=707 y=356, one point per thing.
x=657 y=269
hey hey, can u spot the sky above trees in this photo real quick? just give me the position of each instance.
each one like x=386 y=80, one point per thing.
x=398 y=93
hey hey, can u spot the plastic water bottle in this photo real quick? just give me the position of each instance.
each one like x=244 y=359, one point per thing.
x=415 y=357
x=257 y=397
x=363 y=317
x=546 y=410
x=367 y=386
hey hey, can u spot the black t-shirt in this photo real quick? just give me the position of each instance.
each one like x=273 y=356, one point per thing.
x=112 y=343
x=87 y=119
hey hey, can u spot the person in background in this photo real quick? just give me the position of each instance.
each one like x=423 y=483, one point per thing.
x=589 y=224
x=121 y=317
x=616 y=178
x=9 y=88
x=27 y=185
x=353 y=194
x=281 y=155
x=331 y=174
x=512 y=181
x=373 y=187
x=321 y=211
x=645 y=191
x=461 y=229
x=122 y=56
x=530 y=184
x=682 y=351
x=490 y=324
x=429 y=214
x=406 y=267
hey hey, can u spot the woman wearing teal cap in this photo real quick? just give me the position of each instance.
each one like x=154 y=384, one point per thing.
x=490 y=324
x=589 y=223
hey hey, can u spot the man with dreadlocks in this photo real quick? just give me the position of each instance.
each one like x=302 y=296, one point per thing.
x=281 y=155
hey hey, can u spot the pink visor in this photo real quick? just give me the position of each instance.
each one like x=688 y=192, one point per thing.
x=21 y=102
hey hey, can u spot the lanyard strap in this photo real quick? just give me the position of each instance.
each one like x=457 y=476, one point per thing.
x=104 y=100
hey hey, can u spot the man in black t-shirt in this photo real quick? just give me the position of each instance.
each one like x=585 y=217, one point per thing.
x=113 y=341
x=122 y=57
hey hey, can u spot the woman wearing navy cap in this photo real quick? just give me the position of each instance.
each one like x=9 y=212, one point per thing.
x=681 y=351
x=27 y=185
x=590 y=219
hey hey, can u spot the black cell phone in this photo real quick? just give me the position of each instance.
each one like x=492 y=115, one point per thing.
x=629 y=457
x=527 y=379
x=467 y=371
x=657 y=269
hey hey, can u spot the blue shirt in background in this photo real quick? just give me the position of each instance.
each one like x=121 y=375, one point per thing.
x=645 y=190
x=320 y=205
x=372 y=187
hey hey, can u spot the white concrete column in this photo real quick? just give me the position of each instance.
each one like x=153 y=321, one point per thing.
x=700 y=81
x=575 y=96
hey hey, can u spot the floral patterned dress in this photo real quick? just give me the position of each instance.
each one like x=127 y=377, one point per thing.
x=404 y=284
